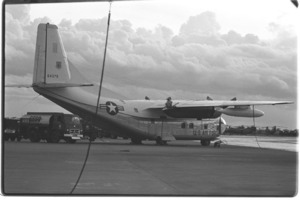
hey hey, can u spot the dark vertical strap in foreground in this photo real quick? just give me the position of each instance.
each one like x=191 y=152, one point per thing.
x=255 y=127
x=98 y=100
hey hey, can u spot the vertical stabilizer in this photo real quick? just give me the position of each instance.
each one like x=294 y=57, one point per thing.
x=51 y=63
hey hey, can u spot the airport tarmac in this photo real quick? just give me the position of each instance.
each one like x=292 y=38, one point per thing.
x=115 y=167
x=269 y=142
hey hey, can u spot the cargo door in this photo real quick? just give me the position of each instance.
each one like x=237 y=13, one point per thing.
x=166 y=131
x=152 y=126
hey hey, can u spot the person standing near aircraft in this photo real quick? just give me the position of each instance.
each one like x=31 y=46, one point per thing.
x=169 y=103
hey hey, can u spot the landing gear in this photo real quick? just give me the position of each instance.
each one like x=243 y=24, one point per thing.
x=218 y=144
x=159 y=141
x=93 y=136
x=205 y=142
x=136 y=141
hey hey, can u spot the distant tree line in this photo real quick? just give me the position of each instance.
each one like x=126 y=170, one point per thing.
x=273 y=131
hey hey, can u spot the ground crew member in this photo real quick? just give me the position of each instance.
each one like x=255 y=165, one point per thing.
x=169 y=102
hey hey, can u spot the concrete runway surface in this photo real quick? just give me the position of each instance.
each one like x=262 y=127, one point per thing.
x=115 y=167
x=269 y=142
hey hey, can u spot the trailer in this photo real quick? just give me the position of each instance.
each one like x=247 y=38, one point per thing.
x=11 y=129
x=51 y=127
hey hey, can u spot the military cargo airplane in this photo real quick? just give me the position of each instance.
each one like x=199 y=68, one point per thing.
x=56 y=78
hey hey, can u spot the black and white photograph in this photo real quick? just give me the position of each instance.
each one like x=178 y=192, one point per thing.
x=149 y=98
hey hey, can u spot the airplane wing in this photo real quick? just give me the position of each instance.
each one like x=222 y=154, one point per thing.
x=198 y=104
x=213 y=109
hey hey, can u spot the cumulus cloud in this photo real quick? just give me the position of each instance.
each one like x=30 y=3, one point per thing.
x=199 y=60
x=202 y=24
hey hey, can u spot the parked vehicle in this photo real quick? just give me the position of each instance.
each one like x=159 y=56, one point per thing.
x=11 y=129
x=51 y=127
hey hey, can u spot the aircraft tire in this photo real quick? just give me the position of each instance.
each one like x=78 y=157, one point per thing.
x=217 y=144
x=159 y=141
x=136 y=141
x=93 y=136
x=205 y=142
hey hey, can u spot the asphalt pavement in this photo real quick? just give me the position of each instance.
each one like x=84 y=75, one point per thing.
x=115 y=167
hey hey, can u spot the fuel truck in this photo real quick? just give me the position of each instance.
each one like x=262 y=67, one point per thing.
x=51 y=127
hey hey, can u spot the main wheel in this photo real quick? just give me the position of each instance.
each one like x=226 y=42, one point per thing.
x=205 y=142
x=159 y=141
x=136 y=141
x=93 y=136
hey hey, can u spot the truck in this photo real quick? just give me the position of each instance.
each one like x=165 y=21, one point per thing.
x=11 y=129
x=50 y=126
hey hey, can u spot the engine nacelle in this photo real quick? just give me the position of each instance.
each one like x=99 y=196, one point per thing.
x=244 y=111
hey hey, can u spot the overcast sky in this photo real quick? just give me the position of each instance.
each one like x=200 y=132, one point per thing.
x=184 y=49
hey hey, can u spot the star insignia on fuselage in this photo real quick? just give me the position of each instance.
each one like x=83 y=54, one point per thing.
x=111 y=108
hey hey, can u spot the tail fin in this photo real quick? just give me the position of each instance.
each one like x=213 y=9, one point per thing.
x=51 y=65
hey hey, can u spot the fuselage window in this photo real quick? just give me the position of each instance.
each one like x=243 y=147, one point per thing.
x=191 y=125
x=205 y=126
x=183 y=125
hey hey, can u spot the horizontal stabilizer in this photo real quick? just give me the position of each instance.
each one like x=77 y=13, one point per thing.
x=62 y=85
x=51 y=85
x=19 y=86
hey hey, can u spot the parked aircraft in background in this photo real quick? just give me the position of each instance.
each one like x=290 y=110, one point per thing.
x=58 y=80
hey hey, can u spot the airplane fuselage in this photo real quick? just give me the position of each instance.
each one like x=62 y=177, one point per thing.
x=129 y=117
